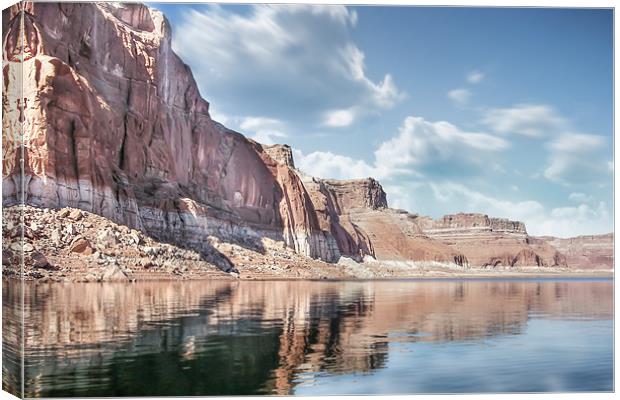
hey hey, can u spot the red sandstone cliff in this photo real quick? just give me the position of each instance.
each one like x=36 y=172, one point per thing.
x=491 y=242
x=586 y=252
x=114 y=124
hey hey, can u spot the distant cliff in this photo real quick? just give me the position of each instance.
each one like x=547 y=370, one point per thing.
x=114 y=124
x=587 y=252
x=491 y=242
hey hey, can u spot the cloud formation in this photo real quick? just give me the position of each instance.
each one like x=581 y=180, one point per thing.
x=459 y=96
x=583 y=219
x=531 y=120
x=424 y=147
x=297 y=61
x=339 y=118
x=263 y=129
x=475 y=77
x=326 y=164
x=420 y=148
x=576 y=158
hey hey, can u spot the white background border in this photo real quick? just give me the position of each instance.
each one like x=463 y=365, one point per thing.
x=477 y=3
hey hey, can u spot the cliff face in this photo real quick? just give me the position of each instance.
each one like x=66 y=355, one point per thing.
x=585 y=252
x=114 y=124
x=460 y=223
x=491 y=242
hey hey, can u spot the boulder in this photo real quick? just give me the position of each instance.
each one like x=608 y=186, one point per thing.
x=64 y=213
x=107 y=239
x=113 y=273
x=75 y=215
x=7 y=257
x=81 y=245
x=40 y=261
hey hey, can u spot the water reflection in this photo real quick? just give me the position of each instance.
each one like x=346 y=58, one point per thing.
x=221 y=337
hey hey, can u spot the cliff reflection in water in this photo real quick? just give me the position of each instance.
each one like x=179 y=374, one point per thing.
x=220 y=337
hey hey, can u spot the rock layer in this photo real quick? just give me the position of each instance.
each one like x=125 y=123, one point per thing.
x=491 y=242
x=585 y=252
x=113 y=124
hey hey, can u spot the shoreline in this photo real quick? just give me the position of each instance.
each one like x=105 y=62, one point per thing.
x=516 y=276
x=72 y=245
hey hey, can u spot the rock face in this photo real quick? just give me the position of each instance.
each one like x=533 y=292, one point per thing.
x=281 y=153
x=491 y=242
x=585 y=252
x=113 y=124
x=462 y=223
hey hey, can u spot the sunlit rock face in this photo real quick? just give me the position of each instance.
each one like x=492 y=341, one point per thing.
x=587 y=252
x=108 y=119
x=491 y=242
x=114 y=124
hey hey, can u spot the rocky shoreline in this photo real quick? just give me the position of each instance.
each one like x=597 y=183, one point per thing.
x=127 y=178
x=72 y=245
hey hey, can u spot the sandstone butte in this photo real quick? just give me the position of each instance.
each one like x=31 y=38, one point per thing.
x=113 y=124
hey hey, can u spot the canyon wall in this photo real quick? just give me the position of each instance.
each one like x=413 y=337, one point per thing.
x=491 y=242
x=113 y=123
x=586 y=252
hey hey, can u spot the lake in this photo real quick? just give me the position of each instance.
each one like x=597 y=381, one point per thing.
x=310 y=337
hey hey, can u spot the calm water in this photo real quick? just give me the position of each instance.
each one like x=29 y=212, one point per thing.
x=219 y=338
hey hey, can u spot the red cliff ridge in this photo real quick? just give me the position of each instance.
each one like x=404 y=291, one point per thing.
x=114 y=125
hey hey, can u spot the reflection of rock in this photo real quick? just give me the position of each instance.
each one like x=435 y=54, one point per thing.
x=302 y=327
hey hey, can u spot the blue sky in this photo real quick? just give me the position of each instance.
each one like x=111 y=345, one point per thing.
x=502 y=111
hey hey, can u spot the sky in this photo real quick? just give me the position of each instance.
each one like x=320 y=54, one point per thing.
x=502 y=111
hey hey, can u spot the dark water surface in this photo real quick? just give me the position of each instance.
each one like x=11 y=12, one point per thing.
x=224 y=338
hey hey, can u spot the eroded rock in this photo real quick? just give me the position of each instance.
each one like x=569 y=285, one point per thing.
x=81 y=245
x=113 y=273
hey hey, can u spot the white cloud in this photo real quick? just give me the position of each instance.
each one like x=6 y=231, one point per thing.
x=385 y=94
x=532 y=120
x=560 y=221
x=339 y=118
x=472 y=201
x=326 y=164
x=577 y=143
x=264 y=130
x=575 y=221
x=422 y=143
x=219 y=117
x=420 y=148
x=259 y=123
x=281 y=59
x=459 y=96
x=475 y=77
x=575 y=158
x=580 y=197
